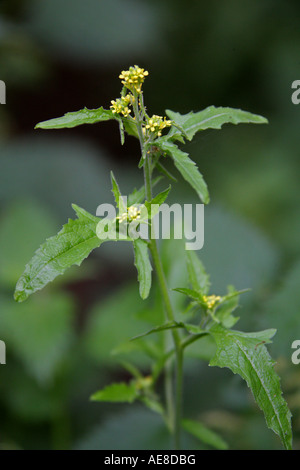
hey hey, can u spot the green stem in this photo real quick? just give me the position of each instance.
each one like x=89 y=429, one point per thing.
x=169 y=396
x=191 y=339
x=170 y=315
x=176 y=423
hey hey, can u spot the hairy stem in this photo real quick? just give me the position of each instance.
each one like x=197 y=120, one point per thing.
x=175 y=336
x=174 y=414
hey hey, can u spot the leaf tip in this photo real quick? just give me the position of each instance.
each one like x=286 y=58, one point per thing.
x=75 y=207
x=144 y=295
x=112 y=176
x=20 y=295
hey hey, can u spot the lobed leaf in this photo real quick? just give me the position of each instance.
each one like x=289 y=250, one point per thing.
x=212 y=118
x=77 y=118
x=70 y=246
x=186 y=167
x=245 y=354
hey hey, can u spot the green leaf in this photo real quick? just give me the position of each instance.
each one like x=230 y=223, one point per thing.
x=204 y=434
x=70 y=246
x=117 y=195
x=166 y=326
x=158 y=200
x=186 y=167
x=193 y=329
x=245 y=354
x=212 y=118
x=143 y=266
x=198 y=277
x=77 y=118
x=117 y=392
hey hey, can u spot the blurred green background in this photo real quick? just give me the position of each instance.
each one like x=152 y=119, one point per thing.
x=61 y=55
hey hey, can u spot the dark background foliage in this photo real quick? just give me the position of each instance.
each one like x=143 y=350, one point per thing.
x=61 y=55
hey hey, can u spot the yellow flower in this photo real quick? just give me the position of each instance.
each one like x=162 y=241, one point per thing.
x=157 y=123
x=144 y=382
x=120 y=105
x=133 y=78
x=132 y=213
x=211 y=300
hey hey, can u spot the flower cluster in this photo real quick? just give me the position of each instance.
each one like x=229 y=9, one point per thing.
x=133 y=78
x=144 y=382
x=133 y=213
x=121 y=105
x=156 y=124
x=211 y=300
